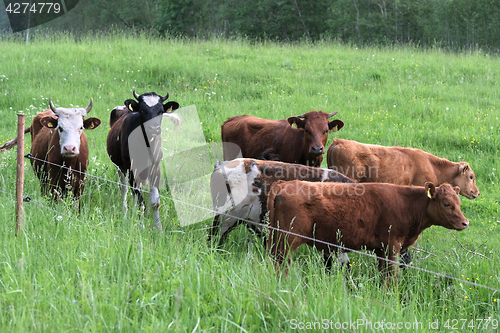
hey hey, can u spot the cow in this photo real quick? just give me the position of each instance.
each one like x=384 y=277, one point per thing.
x=59 y=149
x=299 y=139
x=240 y=187
x=367 y=163
x=143 y=114
x=385 y=218
x=399 y=165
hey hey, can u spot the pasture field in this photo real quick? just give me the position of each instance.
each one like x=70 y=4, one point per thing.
x=97 y=271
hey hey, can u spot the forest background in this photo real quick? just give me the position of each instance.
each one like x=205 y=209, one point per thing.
x=452 y=24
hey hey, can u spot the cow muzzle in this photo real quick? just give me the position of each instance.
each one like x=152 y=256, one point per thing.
x=316 y=151
x=154 y=130
x=473 y=196
x=69 y=151
x=465 y=225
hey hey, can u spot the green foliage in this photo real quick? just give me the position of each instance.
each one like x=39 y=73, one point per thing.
x=98 y=270
x=450 y=24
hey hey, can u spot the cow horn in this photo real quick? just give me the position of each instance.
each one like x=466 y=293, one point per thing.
x=135 y=95
x=88 y=108
x=52 y=107
x=332 y=114
x=301 y=116
x=164 y=98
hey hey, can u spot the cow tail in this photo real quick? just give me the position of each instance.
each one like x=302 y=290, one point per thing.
x=12 y=142
x=175 y=119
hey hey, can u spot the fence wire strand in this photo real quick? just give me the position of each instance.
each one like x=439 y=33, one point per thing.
x=262 y=225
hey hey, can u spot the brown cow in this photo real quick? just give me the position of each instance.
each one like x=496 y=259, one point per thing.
x=385 y=218
x=240 y=188
x=397 y=165
x=59 y=148
x=298 y=139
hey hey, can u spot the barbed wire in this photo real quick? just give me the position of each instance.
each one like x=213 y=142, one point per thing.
x=265 y=226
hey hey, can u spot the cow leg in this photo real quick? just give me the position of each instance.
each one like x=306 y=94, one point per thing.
x=227 y=224
x=219 y=228
x=327 y=256
x=405 y=258
x=123 y=188
x=344 y=261
x=213 y=231
x=251 y=224
x=137 y=192
x=155 y=206
x=387 y=269
x=342 y=258
x=281 y=246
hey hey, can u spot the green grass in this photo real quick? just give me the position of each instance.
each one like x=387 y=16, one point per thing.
x=98 y=271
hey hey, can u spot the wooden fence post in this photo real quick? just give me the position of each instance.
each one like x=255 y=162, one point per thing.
x=20 y=174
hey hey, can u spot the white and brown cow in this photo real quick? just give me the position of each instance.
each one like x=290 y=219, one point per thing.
x=60 y=149
x=134 y=144
x=240 y=188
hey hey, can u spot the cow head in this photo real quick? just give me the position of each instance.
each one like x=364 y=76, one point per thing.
x=466 y=180
x=150 y=108
x=69 y=123
x=315 y=126
x=444 y=206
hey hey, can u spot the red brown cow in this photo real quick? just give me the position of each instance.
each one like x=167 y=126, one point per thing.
x=385 y=218
x=397 y=165
x=60 y=149
x=298 y=139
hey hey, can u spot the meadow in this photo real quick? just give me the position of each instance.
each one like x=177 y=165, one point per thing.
x=98 y=271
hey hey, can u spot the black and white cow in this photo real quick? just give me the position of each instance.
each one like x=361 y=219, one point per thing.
x=240 y=188
x=134 y=144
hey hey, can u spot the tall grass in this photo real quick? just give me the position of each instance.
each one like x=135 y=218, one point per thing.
x=97 y=270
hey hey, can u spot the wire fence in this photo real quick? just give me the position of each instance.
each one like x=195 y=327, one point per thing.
x=263 y=226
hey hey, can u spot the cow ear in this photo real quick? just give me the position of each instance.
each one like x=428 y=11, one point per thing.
x=170 y=107
x=431 y=190
x=296 y=122
x=50 y=122
x=335 y=125
x=91 y=123
x=464 y=166
x=132 y=105
x=457 y=189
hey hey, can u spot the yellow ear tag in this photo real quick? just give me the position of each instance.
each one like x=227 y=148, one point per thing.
x=49 y=124
x=169 y=110
x=294 y=126
x=335 y=129
x=429 y=193
x=91 y=125
x=130 y=107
